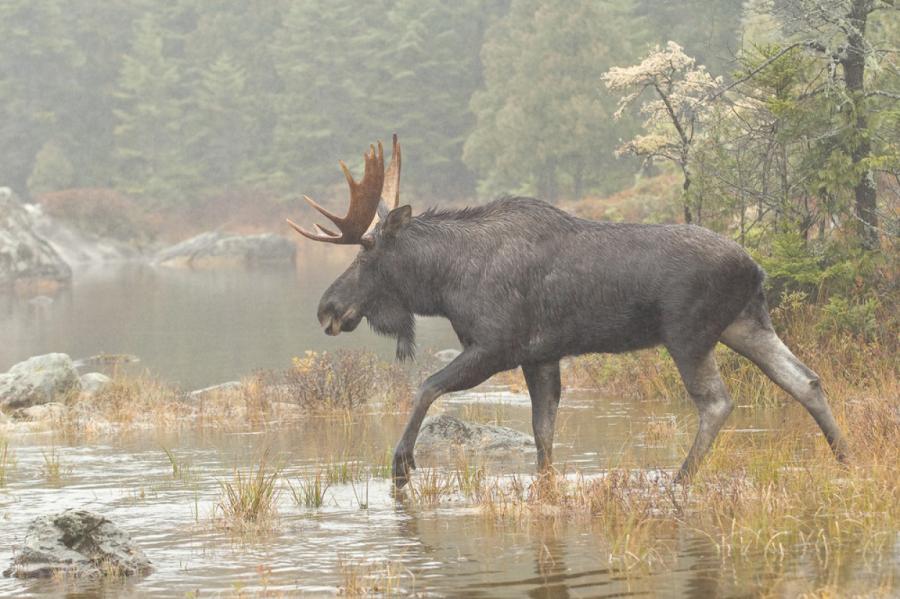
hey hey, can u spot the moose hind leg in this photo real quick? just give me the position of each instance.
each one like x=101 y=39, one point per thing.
x=544 y=387
x=758 y=342
x=707 y=390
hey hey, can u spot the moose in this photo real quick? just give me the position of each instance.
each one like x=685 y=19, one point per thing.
x=525 y=284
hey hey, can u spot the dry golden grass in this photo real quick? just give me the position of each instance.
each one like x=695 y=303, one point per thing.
x=249 y=500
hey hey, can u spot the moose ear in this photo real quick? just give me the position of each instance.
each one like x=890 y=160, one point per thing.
x=396 y=220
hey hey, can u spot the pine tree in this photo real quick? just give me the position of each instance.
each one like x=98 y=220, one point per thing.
x=150 y=118
x=221 y=122
x=543 y=121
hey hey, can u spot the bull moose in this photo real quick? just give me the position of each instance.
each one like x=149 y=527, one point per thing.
x=526 y=284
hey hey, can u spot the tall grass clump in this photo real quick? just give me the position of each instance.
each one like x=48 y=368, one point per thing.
x=249 y=500
x=379 y=579
x=7 y=462
x=52 y=466
x=339 y=381
x=310 y=491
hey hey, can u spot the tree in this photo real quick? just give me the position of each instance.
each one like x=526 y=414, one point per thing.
x=38 y=54
x=150 y=117
x=431 y=68
x=837 y=31
x=682 y=93
x=222 y=122
x=540 y=121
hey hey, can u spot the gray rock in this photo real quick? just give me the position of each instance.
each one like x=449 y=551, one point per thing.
x=27 y=261
x=38 y=380
x=79 y=247
x=200 y=394
x=222 y=250
x=77 y=543
x=94 y=382
x=439 y=432
x=41 y=412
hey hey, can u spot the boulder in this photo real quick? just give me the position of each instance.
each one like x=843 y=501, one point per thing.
x=77 y=543
x=222 y=250
x=443 y=431
x=28 y=263
x=94 y=382
x=41 y=412
x=79 y=247
x=38 y=380
x=214 y=391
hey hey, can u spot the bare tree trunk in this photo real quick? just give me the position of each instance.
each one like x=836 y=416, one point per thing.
x=854 y=65
x=688 y=217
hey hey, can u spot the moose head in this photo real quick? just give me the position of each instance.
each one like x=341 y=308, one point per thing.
x=370 y=287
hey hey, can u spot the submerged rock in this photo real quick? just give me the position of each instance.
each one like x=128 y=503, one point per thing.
x=28 y=263
x=38 y=380
x=77 y=543
x=438 y=432
x=222 y=250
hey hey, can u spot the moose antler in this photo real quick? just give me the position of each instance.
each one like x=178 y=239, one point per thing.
x=364 y=199
x=391 y=190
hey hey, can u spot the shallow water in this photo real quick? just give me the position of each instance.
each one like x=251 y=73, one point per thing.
x=204 y=328
x=193 y=328
x=449 y=550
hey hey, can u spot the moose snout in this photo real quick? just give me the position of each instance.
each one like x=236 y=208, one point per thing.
x=335 y=319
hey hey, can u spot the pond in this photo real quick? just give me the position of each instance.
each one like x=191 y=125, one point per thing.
x=363 y=530
x=201 y=328
x=192 y=328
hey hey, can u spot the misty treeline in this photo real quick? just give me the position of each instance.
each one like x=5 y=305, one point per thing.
x=779 y=115
x=171 y=100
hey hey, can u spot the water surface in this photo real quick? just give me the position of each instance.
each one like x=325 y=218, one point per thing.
x=193 y=328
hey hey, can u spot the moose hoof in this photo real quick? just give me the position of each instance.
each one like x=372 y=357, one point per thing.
x=403 y=464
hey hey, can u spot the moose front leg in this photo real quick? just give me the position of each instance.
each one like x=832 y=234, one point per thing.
x=469 y=369
x=544 y=387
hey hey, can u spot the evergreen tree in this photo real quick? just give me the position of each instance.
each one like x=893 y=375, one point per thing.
x=35 y=83
x=542 y=120
x=150 y=118
x=221 y=122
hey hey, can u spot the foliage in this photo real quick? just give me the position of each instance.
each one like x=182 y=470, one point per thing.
x=103 y=212
x=52 y=170
x=682 y=92
x=250 y=499
x=542 y=127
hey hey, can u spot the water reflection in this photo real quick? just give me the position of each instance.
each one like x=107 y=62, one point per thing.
x=448 y=550
x=194 y=328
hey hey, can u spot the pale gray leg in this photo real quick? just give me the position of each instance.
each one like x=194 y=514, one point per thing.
x=544 y=387
x=758 y=342
x=705 y=386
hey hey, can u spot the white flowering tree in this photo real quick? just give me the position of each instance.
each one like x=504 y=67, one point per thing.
x=681 y=94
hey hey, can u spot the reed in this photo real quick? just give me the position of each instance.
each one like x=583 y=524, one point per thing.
x=249 y=500
x=52 y=467
x=7 y=462
x=310 y=491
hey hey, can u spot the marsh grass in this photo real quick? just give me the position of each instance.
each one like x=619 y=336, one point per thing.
x=310 y=490
x=52 y=467
x=431 y=487
x=182 y=469
x=760 y=500
x=7 y=462
x=249 y=500
x=380 y=578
